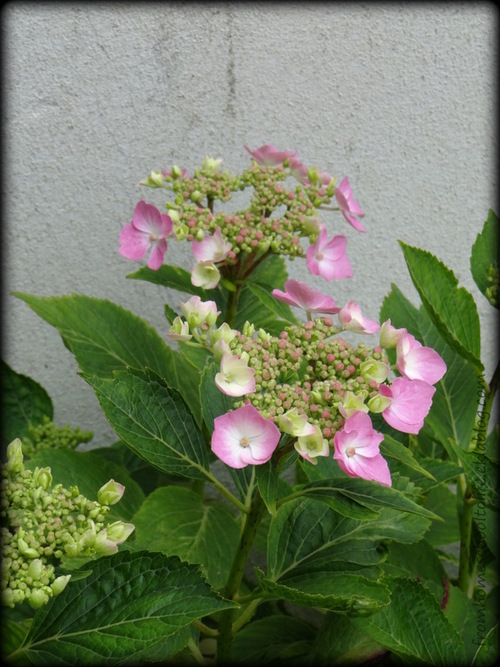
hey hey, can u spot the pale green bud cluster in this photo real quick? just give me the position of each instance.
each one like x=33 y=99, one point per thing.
x=305 y=371
x=49 y=436
x=43 y=524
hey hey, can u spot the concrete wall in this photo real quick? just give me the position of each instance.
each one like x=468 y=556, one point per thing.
x=399 y=97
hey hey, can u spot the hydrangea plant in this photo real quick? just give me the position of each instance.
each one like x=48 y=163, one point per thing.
x=294 y=495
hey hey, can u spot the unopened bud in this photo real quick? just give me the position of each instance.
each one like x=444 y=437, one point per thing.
x=374 y=370
x=59 y=584
x=154 y=180
x=42 y=477
x=110 y=493
x=379 y=403
x=15 y=456
x=389 y=335
x=35 y=568
x=26 y=550
x=295 y=424
x=248 y=329
x=38 y=598
x=211 y=165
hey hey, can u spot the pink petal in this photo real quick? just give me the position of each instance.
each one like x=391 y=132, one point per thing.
x=157 y=253
x=133 y=243
x=303 y=296
x=411 y=402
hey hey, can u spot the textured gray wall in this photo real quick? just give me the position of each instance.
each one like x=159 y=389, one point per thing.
x=398 y=97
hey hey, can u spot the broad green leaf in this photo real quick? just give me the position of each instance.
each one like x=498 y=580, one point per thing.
x=270 y=273
x=451 y=308
x=366 y=493
x=318 y=558
x=154 y=421
x=392 y=449
x=170 y=313
x=454 y=405
x=275 y=639
x=198 y=357
x=24 y=403
x=102 y=335
x=176 y=521
x=443 y=502
x=169 y=276
x=482 y=475
x=13 y=634
x=484 y=258
x=213 y=402
x=340 y=641
x=133 y=607
x=261 y=309
x=414 y=627
x=268 y=481
x=88 y=471
x=184 y=377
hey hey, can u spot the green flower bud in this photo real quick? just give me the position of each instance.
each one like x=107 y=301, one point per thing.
x=374 y=370
x=35 y=568
x=154 y=180
x=176 y=171
x=225 y=333
x=15 y=456
x=196 y=196
x=248 y=329
x=110 y=493
x=119 y=531
x=42 y=477
x=72 y=549
x=211 y=165
x=378 y=403
x=59 y=584
x=181 y=231
x=38 y=598
x=26 y=550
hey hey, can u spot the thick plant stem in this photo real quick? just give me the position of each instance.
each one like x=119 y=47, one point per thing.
x=233 y=583
x=232 y=306
x=466 y=568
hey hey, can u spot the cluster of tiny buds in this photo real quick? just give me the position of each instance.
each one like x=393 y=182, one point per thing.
x=43 y=524
x=306 y=369
x=47 y=435
x=276 y=218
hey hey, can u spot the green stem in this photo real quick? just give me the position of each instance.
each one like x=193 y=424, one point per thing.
x=230 y=591
x=466 y=568
x=232 y=305
x=226 y=493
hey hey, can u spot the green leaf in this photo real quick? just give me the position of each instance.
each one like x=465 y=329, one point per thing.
x=132 y=608
x=451 y=308
x=176 y=521
x=154 y=421
x=89 y=472
x=169 y=276
x=275 y=639
x=13 y=634
x=271 y=273
x=24 y=403
x=318 y=558
x=443 y=502
x=366 y=493
x=482 y=475
x=341 y=642
x=213 y=402
x=414 y=627
x=485 y=255
x=391 y=448
x=261 y=309
x=267 y=481
x=102 y=335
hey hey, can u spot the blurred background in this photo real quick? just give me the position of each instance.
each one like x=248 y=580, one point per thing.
x=401 y=98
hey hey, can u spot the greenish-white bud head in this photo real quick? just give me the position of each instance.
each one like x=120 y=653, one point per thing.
x=38 y=598
x=296 y=424
x=42 y=477
x=35 y=568
x=211 y=165
x=153 y=180
x=378 y=403
x=225 y=333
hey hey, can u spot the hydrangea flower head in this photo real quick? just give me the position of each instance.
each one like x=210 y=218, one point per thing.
x=244 y=437
x=212 y=249
x=148 y=228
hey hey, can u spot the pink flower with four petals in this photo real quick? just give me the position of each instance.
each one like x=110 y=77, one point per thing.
x=349 y=208
x=351 y=318
x=303 y=296
x=327 y=257
x=148 y=227
x=269 y=156
x=417 y=362
x=411 y=401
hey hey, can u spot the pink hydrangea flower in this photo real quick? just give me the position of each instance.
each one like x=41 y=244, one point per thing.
x=244 y=437
x=212 y=249
x=357 y=450
x=197 y=312
x=327 y=257
x=205 y=274
x=352 y=319
x=301 y=295
x=389 y=335
x=417 y=362
x=350 y=209
x=148 y=227
x=410 y=403
x=236 y=378
x=268 y=155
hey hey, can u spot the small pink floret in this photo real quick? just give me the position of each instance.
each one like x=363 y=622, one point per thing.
x=352 y=319
x=268 y=155
x=148 y=228
x=349 y=208
x=410 y=404
x=417 y=362
x=244 y=437
x=303 y=296
x=327 y=257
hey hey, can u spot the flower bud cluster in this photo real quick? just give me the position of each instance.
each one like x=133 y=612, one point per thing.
x=44 y=523
x=492 y=292
x=275 y=220
x=306 y=369
x=49 y=436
